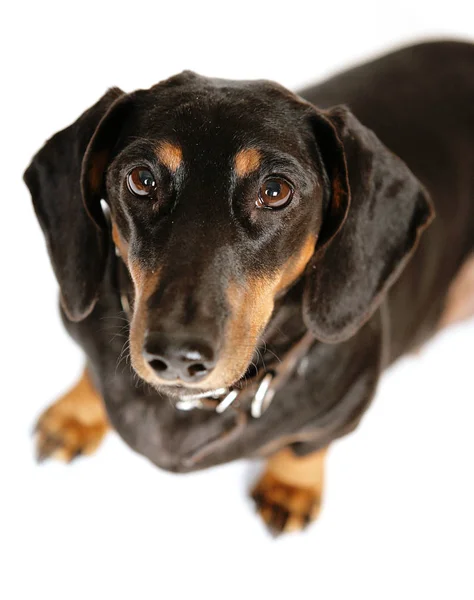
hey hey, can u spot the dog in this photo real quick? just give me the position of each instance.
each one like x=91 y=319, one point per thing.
x=265 y=255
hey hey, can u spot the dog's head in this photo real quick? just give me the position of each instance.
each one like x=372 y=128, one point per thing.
x=222 y=195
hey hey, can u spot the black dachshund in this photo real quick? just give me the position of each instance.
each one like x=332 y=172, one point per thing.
x=265 y=254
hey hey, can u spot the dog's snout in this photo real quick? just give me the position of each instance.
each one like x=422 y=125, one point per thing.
x=177 y=357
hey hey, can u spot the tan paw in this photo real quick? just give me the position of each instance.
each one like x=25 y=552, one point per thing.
x=74 y=425
x=284 y=507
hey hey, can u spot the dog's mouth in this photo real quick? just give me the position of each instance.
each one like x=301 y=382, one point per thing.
x=181 y=392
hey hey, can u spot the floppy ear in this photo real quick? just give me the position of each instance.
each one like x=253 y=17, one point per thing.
x=66 y=196
x=377 y=210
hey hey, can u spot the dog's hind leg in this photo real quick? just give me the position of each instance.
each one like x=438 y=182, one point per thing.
x=288 y=495
x=74 y=425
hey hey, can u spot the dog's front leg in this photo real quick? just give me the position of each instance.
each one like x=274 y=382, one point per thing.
x=75 y=424
x=288 y=495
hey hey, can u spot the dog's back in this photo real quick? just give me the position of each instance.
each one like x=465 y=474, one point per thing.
x=420 y=103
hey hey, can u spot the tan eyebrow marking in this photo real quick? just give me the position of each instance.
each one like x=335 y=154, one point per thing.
x=170 y=155
x=246 y=161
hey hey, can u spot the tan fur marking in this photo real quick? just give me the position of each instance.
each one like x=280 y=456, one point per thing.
x=247 y=161
x=75 y=424
x=145 y=284
x=296 y=265
x=251 y=306
x=288 y=495
x=121 y=244
x=460 y=298
x=337 y=193
x=170 y=155
x=301 y=471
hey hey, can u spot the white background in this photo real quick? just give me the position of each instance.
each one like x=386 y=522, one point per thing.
x=398 y=515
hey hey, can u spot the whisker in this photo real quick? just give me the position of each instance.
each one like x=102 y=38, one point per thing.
x=123 y=354
x=116 y=317
x=275 y=355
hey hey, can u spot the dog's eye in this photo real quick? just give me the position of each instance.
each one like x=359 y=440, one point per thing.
x=141 y=182
x=275 y=192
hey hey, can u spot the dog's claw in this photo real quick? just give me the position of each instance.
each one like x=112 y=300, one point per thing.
x=285 y=508
x=46 y=448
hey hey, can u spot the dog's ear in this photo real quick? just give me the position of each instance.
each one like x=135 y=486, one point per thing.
x=66 y=191
x=376 y=212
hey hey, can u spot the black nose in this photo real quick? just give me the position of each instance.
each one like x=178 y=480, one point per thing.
x=178 y=357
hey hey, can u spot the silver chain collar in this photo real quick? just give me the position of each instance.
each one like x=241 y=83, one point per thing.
x=259 y=404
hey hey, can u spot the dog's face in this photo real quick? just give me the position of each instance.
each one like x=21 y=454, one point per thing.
x=215 y=211
x=220 y=194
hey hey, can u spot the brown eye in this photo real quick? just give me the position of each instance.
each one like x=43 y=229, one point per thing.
x=141 y=182
x=274 y=193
